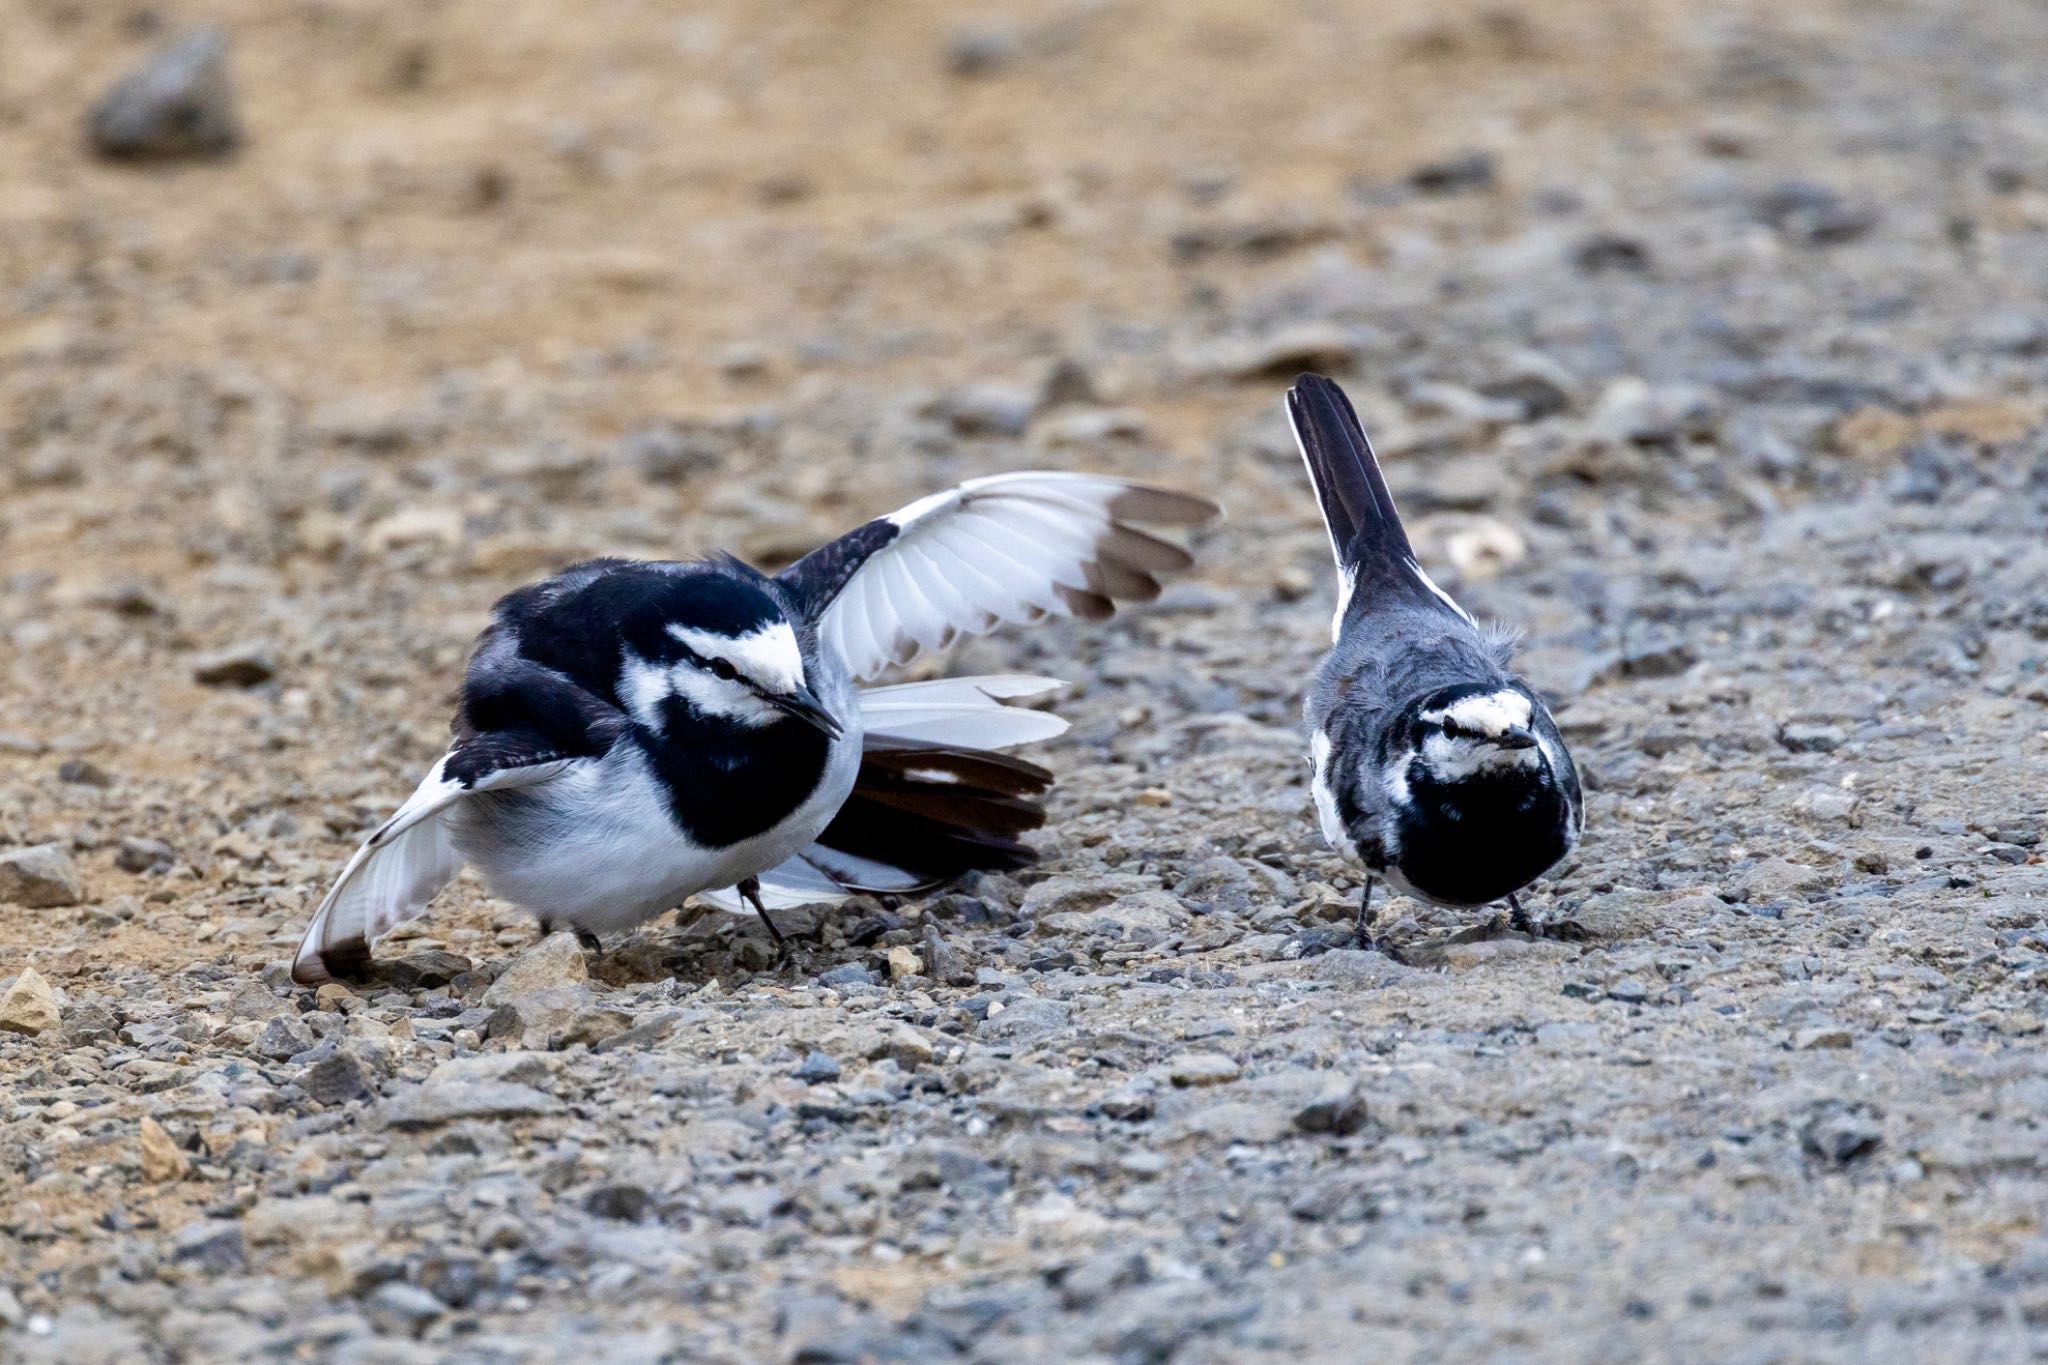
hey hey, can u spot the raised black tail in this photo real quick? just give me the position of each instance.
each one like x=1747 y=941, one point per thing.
x=1357 y=508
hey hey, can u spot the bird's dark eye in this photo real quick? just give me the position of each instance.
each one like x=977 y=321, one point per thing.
x=720 y=668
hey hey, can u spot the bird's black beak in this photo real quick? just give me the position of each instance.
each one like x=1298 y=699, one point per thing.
x=805 y=706
x=1516 y=737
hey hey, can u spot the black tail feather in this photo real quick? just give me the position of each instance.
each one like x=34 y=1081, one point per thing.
x=937 y=811
x=1357 y=508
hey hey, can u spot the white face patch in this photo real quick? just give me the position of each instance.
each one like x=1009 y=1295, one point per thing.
x=768 y=656
x=1453 y=760
x=644 y=686
x=1479 y=722
x=1491 y=715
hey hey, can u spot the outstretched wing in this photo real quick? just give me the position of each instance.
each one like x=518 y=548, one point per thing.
x=1009 y=548
x=521 y=724
x=411 y=857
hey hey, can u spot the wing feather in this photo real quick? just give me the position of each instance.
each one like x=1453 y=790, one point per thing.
x=398 y=870
x=1010 y=548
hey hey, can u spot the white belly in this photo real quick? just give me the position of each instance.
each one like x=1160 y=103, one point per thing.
x=597 y=847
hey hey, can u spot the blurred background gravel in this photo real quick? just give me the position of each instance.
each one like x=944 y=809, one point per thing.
x=1705 y=340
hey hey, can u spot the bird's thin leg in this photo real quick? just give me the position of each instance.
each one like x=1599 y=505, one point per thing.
x=1364 y=925
x=1520 y=920
x=1362 y=931
x=750 y=891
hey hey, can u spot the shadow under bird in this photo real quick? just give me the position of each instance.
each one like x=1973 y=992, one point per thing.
x=631 y=734
x=1435 y=765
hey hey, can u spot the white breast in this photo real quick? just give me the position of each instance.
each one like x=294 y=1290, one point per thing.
x=598 y=848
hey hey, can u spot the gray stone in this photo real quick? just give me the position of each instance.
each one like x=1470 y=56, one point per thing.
x=1339 y=1110
x=211 y=1244
x=177 y=104
x=620 y=1201
x=1201 y=1068
x=40 y=877
x=1803 y=738
x=337 y=1078
x=421 y=971
x=817 y=1068
x=989 y=410
x=556 y=961
x=671 y=453
x=402 y=1309
x=446 y=1101
x=1820 y=1037
x=138 y=854
x=982 y=50
x=1840 y=1134
x=1073 y=895
x=1776 y=878
x=1026 y=1020
x=250 y=664
x=282 y=1039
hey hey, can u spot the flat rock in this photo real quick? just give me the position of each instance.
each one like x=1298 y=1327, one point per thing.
x=1777 y=877
x=1499 y=952
x=439 y=1101
x=1078 y=895
x=248 y=664
x=1026 y=1020
x=1201 y=1068
x=1247 y=1121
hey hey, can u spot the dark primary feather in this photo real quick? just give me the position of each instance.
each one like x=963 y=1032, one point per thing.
x=937 y=811
x=813 y=581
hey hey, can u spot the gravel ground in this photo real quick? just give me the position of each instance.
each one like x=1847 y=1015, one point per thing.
x=1706 y=341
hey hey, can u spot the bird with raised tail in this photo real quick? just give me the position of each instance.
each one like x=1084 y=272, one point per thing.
x=1432 y=762
x=631 y=734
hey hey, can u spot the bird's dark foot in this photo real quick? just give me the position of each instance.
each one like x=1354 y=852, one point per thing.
x=1386 y=948
x=1558 y=931
x=1362 y=936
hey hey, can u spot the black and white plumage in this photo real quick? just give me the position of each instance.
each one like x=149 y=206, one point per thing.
x=1435 y=765
x=632 y=734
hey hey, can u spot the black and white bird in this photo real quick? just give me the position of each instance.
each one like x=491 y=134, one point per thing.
x=631 y=734
x=1435 y=765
